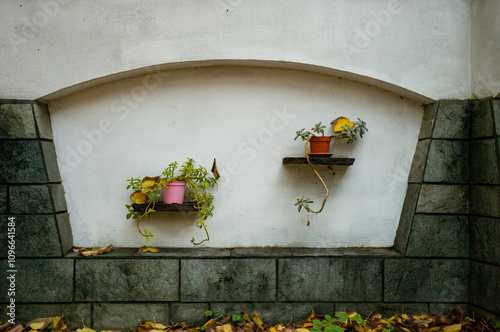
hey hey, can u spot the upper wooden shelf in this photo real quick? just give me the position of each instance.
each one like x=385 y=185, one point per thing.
x=318 y=161
x=186 y=207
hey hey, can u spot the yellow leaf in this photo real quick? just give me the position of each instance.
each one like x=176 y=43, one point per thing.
x=302 y=330
x=85 y=329
x=156 y=330
x=149 y=183
x=257 y=318
x=150 y=249
x=224 y=328
x=452 y=328
x=138 y=197
x=40 y=323
x=358 y=328
x=339 y=122
x=308 y=325
x=57 y=323
x=273 y=329
x=159 y=326
x=97 y=251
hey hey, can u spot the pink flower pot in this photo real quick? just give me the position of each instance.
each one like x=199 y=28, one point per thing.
x=175 y=192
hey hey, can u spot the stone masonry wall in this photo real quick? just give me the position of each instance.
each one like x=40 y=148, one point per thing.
x=427 y=270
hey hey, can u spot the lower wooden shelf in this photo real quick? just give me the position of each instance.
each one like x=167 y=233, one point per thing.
x=186 y=207
x=318 y=161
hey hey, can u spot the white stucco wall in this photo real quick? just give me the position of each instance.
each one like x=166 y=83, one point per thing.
x=422 y=46
x=246 y=118
x=486 y=47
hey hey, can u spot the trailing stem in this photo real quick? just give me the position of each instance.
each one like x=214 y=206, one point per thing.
x=320 y=178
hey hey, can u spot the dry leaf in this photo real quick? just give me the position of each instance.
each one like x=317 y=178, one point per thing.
x=97 y=251
x=149 y=183
x=340 y=122
x=150 y=249
x=257 y=318
x=224 y=328
x=138 y=197
x=215 y=171
x=452 y=328
x=79 y=249
x=40 y=323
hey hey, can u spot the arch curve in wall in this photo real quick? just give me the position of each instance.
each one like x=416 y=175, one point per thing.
x=403 y=92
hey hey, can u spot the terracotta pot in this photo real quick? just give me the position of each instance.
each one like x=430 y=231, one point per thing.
x=320 y=144
x=175 y=192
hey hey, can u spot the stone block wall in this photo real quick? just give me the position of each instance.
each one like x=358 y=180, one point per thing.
x=450 y=201
x=484 y=206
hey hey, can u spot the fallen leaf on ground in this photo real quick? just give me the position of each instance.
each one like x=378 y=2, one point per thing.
x=96 y=251
x=150 y=249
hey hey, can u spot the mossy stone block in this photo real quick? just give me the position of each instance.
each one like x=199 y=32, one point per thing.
x=3 y=199
x=483 y=162
x=482 y=120
x=452 y=120
x=49 y=155
x=72 y=313
x=330 y=279
x=428 y=121
x=16 y=121
x=419 y=161
x=30 y=199
x=448 y=162
x=228 y=280
x=40 y=280
x=439 y=236
x=21 y=162
x=485 y=201
x=36 y=236
x=65 y=233
x=190 y=313
x=443 y=199
x=127 y=280
x=485 y=286
x=406 y=219
x=42 y=120
x=485 y=239
x=416 y=280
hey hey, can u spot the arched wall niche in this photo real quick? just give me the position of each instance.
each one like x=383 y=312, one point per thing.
x=246 y=117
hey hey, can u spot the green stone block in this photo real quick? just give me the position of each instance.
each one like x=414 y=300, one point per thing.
x=443 y=199
x=124 y=316
x=16 y=121
x=448 y=162
x=21 y=162
x=228 y=280
x=496 y=113
x=439 y=236
x=452 y=120
x=483 y=162
x=30 y=199
x=406 y=219
x=485 y=286
x=485 y=239
x=419 y=161
x=189 y=313
x=276 y=312
x=35 y=236
x=428 y=121
x=65 y=233
x=481 y=120
x=49 y=155
x=485 y=201
x=127 y=280
x=385 y=309
x=3 y=199
x=415 y=280
x=330 y=279
x=57 y=195
x=40 y=280
x=73 y=314
x=42 y=121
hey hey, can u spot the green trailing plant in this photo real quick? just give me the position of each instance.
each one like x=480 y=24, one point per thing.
x=198 y=183
x=343 y=129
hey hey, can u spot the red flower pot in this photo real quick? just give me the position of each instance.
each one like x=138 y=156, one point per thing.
x=319 y=145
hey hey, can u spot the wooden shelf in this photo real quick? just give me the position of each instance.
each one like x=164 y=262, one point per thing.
x=318 y=161
x=186 y=207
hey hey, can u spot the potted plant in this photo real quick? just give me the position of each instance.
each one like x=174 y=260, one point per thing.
x=197 y=182
x=343 y=128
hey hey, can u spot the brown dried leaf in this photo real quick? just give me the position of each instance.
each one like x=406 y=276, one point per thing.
x=257 y=318
x=97 y=251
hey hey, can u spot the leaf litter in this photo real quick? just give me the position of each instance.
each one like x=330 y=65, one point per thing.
x=455 y=321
